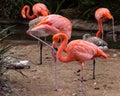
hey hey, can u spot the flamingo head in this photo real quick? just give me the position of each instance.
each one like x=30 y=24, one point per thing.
x=23 y=15
x=39 y=31
x=59 y=37
x=44 y=12
x=33 y=30
x=85 y=36
x=29 y=32
x=23 y=12
x=55 y=40
x=108 y=15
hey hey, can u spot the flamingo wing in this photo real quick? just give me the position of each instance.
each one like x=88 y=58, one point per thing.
x=54 y=24
x=81 y=50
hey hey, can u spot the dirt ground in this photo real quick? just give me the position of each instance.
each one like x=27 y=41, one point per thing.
x=40 y=78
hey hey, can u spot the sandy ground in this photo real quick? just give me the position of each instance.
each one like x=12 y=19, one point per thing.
x=40 y=78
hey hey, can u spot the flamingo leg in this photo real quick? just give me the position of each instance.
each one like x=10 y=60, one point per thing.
x=55 y=59
x=100 y=29
x=93 y=68
x=55 y=70
x=41 y=48
x=41 y=45
x=81 y=80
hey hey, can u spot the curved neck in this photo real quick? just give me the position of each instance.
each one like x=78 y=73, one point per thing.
x=100 y=29
x=61 y=49
x=27 y=12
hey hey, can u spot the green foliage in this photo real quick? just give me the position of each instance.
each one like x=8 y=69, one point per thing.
x=88 y=7
x=4 y=47
x=11 y=9
x=54 y=5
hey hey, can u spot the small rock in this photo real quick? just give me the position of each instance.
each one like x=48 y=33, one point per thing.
x=74 y=94
x=75 y=79
x=114 y=55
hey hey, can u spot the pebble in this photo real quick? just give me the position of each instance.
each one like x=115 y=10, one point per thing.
x=74 y=94
x=114 y=55
x=75 y=79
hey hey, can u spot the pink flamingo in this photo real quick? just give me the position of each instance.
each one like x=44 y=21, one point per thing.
x=102 y=15
x=51 y=25
x=32 y=23
x=97 y=41
x=38 y=9
x=77 y=50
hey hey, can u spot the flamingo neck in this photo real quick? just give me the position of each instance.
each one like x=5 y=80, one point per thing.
x=100 y=29
x=27 y=10
x=62 y=48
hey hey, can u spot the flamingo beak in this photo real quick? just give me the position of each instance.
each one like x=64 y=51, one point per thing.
x=54 y=44
x=23 y=15
x=109 y=16
x=29 y=32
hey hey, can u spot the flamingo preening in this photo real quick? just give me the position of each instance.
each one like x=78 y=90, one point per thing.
x=97 y=41
x=77 y=50
x=51 y=25
x=102 y=15
x=32 y=23
x=39 y=9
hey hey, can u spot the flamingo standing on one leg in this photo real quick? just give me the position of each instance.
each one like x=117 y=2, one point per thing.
x=102 y=15
x=97 y=41
x=77 y=50
x=51 y=25
x=32 y=23
x=38 y=9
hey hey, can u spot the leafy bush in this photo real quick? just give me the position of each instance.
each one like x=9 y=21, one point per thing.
x=3 y=68
x=15 y=6
x=11 y=9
